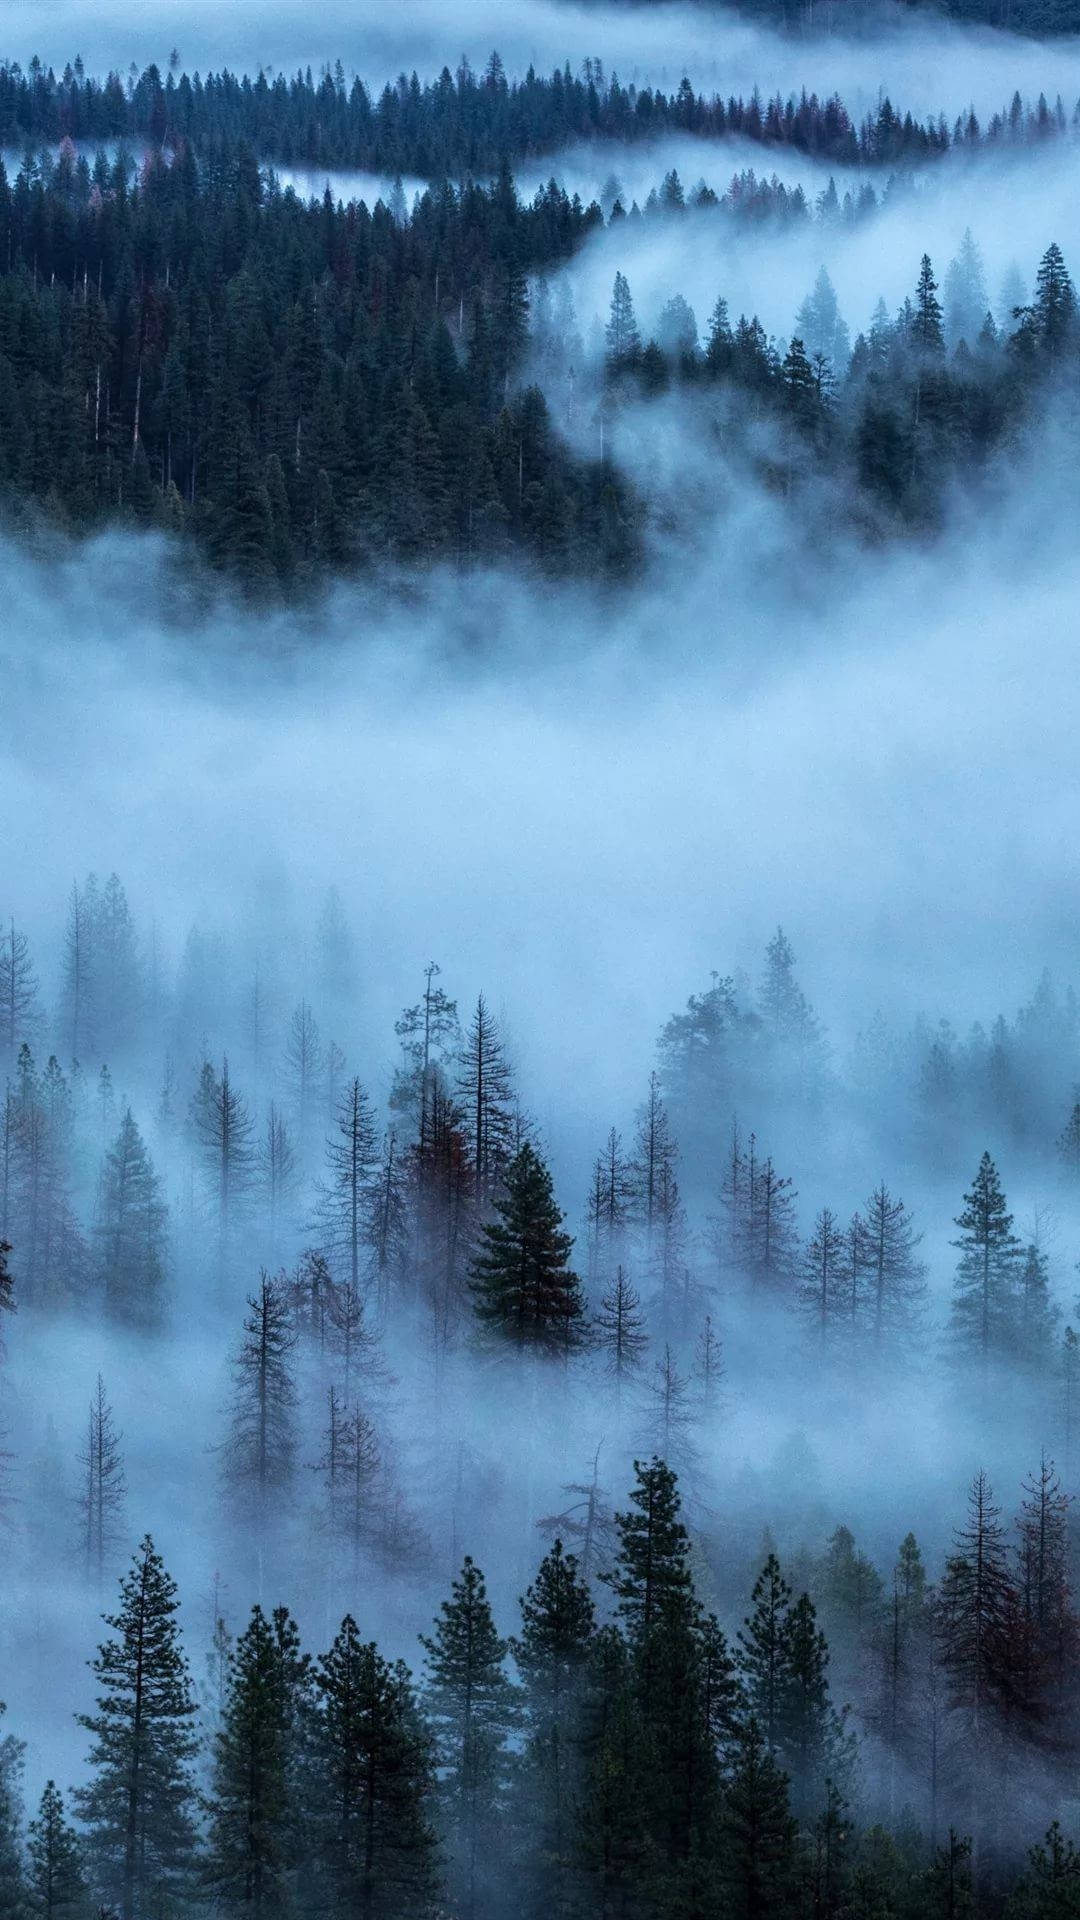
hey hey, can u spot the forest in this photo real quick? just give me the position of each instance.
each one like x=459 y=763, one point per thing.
x=539 y=1020
x=710 y=1697
x=302 y=389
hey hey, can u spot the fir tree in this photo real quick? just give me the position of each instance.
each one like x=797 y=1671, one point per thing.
x=758 y=1853
x=18 y=995
x=522 y=1286
x=764 y=1651
x=472 y=1708
x=255 y=1822
x=551 y=1654
x=619 y=1331
x=984 y=1291
x=260 y=1448
x=104 y=1488
x=139 y=1804
x=131 y=1246
x=55 y=1882
x=376 y=1850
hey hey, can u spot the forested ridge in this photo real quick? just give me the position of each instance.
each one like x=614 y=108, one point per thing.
x=698 y=1708
x=466 y=122
x=309 y=388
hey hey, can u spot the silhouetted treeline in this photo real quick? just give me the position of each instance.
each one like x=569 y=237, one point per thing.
x=309 y=388
x=463 y=122
x=620 y=1752
x=303 y=387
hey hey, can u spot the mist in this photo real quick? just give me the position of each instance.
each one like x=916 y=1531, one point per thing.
x=712 y=858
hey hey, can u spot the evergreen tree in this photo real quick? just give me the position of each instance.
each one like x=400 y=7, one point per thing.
x=253 y=1842
x=764 y=1651
x=927 y=330
x=56 y=1883
x=758 y=1854
x=472 y=1708
x=12 y=1883
x=139 y=1804
x=131 y=1244
x=984 y=1291
x=222 y=1130
x=619 y=1332
x=376 y=1851
x=522 y=1287
x=552 y=1654
x=260 y=1448
x=104 y=1488
x=894 y=1278
x=622 y=339
x=18 y=995
x=485 y=1089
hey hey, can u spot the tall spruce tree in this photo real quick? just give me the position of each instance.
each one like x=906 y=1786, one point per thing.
x=261 y=1443
x=139 y=1805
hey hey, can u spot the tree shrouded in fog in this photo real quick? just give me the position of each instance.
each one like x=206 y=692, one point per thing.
x=984 y=1307
x=131 y=1232
x=254 y=1841
x=523 y=1286
x=260 y=1448
x=18 y=995
x=473 y=1708
x=139 y=1804
x=104 y=1487
x=222 y=1128
x=348 y=1195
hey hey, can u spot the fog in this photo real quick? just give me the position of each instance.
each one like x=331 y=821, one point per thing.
x=587 y=802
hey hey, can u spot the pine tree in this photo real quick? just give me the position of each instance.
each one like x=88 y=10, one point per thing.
x=978 y=1613
x=619 y=1332
x=551 y=1654
x=472 y=1708
x=894 y=1278
x=139 y=1804
x=927 y=330
x=303 y=1059
x=522 y=1287
x=1050 y=1889
x=763 y=1656
x=222 y=1131
x=1052 y=1635
x=277 y=1178
x=130 y=1234
x=18 y=995
x=104 y=1488
x=984 y=1291
x=485 y=1089
x=349 y=1466
x=259 y=1752
x=708 y=1369
x=261 y=1444
x=949 y=1894
x=622 y=339
x=670 y=1415
x=346 y=1197
x=1055 y=312
x=758 y=1852
x=823 y=1292
x=376 y=1849
x=55 y=1882
x=12 y=1884
x=809 y=1737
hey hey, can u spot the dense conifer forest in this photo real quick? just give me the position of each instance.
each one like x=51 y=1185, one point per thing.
x=711 y=1698
x=585 y=1426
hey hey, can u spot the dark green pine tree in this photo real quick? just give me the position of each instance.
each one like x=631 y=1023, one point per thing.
x=927 y=328
x=56 y=1880
x=552 y=1657
x=472 y=1707
x=1055 y=312
x=139 y=1804
x=377 y=1855
x=622 y=339
x=764 y=1653
x=614 y=1841
x=807 y=1733
x=1050 y=1889
x=12 y=1884
x=948 y=1890
x=758 y=1857
x=984 y=1307
x=523 y=1289
x=652 y=1563
x=260 y=1449
x=252 y=1844
x=130 y=1235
